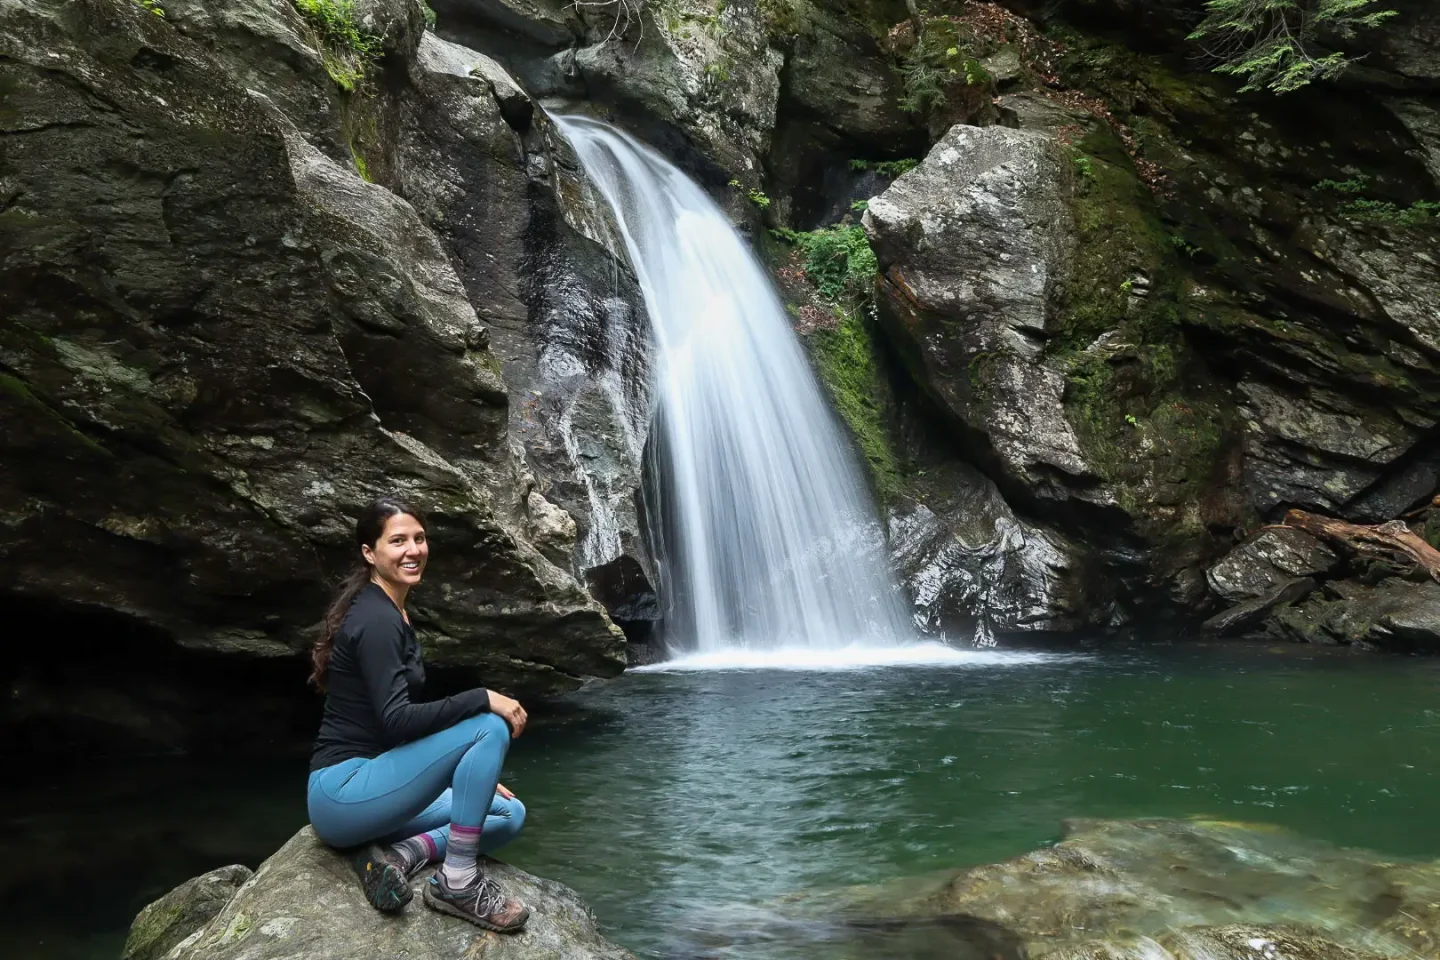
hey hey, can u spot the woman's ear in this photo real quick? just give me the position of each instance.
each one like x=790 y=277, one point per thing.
x=368 y=554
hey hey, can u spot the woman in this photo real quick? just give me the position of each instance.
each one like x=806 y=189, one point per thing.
x=408 y=781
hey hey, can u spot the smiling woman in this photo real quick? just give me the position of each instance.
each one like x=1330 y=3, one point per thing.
x=407 y=781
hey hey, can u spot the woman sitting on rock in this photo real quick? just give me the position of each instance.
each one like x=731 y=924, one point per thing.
x=407 y=781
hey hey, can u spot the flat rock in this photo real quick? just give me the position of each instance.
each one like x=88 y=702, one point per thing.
x=1268 y=559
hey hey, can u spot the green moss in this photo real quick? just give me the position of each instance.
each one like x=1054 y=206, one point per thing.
x=846 y=361
x=20 y=391
x=1146 y=415
x=149 y=931
x=361 y=167
x=1120 y=237
x=360 y=125
x=1431 y=530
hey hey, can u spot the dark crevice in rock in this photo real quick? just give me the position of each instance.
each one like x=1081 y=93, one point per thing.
x=89 y=681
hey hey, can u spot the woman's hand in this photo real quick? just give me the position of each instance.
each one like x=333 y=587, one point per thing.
x=510 y=711
x=504 y=791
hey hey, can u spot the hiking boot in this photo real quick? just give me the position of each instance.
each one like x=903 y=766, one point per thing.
x=482 y=903
x=382 y=877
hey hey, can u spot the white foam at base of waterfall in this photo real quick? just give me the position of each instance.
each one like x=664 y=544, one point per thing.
x=854 y=658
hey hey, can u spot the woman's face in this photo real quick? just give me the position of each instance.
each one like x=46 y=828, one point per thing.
x=399 y=555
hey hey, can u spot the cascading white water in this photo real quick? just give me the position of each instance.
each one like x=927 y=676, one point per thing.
x=768 y=536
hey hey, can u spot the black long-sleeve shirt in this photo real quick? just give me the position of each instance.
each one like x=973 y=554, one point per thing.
x=373 y=685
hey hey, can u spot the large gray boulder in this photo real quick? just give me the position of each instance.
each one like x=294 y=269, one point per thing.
x=974 y=248
x=304 y=903
x=218 y=344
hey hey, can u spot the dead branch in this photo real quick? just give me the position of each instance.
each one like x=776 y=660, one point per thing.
x=1392 y=538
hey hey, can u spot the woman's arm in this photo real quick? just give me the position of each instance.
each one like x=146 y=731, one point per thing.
x=380 y=651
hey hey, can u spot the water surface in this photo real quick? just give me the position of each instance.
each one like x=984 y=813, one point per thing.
x=670 y=798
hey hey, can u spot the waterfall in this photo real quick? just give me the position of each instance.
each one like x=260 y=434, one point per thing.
x=766 y=533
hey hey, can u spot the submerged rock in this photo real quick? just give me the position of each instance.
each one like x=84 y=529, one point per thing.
x=1159 y=890
x=304 y=903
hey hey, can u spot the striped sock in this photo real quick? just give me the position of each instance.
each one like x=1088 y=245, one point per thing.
x=460 y=869
x=416 y=851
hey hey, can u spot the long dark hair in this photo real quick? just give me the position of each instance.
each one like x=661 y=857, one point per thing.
x=369 y=528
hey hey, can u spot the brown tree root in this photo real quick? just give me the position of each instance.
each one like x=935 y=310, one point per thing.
x=1389 y=540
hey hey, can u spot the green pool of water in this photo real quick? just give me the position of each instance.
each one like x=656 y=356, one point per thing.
x=669 y=799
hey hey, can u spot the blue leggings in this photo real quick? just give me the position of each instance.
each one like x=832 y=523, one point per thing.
x=420 y=787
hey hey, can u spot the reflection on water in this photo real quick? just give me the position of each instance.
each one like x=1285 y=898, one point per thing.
x=672 y=799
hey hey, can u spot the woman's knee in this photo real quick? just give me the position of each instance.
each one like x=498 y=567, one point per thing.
x=515 y=814
x=506 y=818
x=488 y=727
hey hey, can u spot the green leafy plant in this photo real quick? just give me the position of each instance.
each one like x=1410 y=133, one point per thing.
x=838 y=260
x=1085 y=167
x=152 y=5
x=860 y=206
x=1183 y=246
x=1420 y=213
x=754 y=195
x=1368 y=210
x=1274 y=44
x=347 y=51
x=1356 y=184
x=887 y=168
x=430 y=18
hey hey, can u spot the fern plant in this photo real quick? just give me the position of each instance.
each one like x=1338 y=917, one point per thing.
x=1273 y=44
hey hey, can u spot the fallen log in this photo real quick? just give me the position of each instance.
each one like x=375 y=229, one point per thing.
x=1392 y=538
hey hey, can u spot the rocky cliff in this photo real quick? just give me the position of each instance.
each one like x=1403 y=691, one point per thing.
x=226 y=327
x=1154 y=312
x=1105 y=319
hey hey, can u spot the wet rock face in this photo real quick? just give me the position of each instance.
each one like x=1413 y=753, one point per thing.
x=304 y=902
x=218 y=344
x=698 y=79
x=975 y=567
x=1157 y=890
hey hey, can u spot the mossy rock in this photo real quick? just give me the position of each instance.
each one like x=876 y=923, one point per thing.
x=181 y=912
